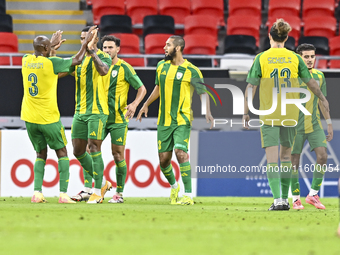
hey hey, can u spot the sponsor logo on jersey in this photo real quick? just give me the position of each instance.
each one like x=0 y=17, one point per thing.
x=163 y=73
x=119 y=140
x=93 y=133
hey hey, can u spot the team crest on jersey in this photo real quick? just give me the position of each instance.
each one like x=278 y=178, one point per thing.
x=114 y=73
x=179 y=75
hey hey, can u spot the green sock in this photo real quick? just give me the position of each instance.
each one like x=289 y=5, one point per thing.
x=286 y=174
x=318 y=176
x=64 y=173
x=185 y=169
x=86 y=162
x=273 y=175
x=120 y=175
x=169 y=174
x=39 y=170
x=98 y=169
x=294 y=182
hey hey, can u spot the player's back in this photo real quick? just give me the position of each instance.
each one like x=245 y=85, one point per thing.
x=277 y=68
x=40 y=90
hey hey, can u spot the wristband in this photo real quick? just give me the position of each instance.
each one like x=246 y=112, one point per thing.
x=329 y=121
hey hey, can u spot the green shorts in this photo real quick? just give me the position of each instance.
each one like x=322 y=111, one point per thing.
x=52 y=134
x=173 y=137
x=117 y=132
x=315 y=139
x=88 y=126
x=270 y=136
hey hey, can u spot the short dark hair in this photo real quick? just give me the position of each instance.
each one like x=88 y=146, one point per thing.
x=304 y=47
x=111 y=38
x=86 y=29
x=178 y=41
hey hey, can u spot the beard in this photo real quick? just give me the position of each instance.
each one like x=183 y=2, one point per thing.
x=170 y=56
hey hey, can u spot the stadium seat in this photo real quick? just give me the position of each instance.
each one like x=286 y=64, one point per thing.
x=279 y=8
x=115 y=24
x=320 y=26
x=158 y=24
x=317 y=8
x=207 y=7
x=289 y=44
x=104 y=7
x=9 y=44
x=334 y=45
x=244 y=25
x=2 y=6
x=129 y=44
x=238 y=62
x=154 y=44
x=320 y=43
x=138 y=9
x=201 y=24
x=178 y=9
x=6 y=23
x=195 y=45
x=240 y=44
x=293 y=21
x=245 y=7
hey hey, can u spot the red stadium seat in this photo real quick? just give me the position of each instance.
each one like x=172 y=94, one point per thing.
x=9 y=44
x=245 y=7
x=104 y=7
x=208 y=7
x=178 y=9
x=322 y=64
x=320 y=26
x=278 y=8
x=129 y=44
x=195 y=45
x=334 y=44
x=138 y=9
x=317 y=8
x=293 y=21
x=89 y=2
x=244 y=25
x=201 y=24
x=154 y=43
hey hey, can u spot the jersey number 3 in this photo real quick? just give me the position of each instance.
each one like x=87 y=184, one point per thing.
x=33 y=79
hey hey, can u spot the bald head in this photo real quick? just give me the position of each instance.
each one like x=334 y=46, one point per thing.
x=42 y=45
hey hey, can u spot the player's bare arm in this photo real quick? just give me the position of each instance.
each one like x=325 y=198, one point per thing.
x=246 y=118
x=327 y=117
x=131 y=108
x=154 y=95
x=314 y=87
x=208 y=115
x=78 y=58
x=101 y=67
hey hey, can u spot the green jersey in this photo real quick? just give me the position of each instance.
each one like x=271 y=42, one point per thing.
x=175 y=92
x=90 y=96
x=310 y=123
x=117 y=83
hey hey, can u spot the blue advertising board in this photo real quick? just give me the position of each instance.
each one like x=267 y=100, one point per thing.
x=233 y=164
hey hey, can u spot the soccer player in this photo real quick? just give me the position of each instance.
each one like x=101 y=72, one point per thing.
x=277 y=68
x=40 y=110
x=90 y=118
x=310 y=128
x=118 y=80
x=174 y=77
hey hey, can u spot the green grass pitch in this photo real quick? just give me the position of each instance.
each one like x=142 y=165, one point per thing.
x=218 y=225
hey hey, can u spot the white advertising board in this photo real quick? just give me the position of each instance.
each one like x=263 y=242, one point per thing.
x=144 y=178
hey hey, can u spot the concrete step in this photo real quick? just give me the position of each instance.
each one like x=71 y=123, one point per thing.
x=68 y=35
x=47 y=14
x=48 y=25
x=42 y=5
